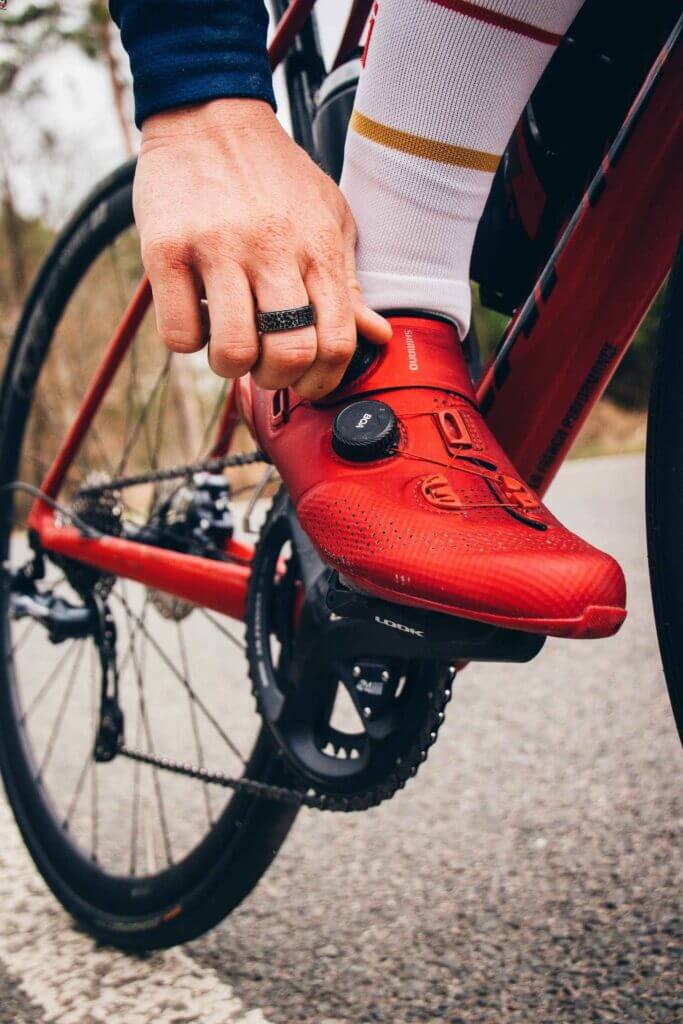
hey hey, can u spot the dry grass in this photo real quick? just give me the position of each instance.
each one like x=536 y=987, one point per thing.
x=611 y=430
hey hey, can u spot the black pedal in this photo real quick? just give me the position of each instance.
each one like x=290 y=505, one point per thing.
x=406 y=631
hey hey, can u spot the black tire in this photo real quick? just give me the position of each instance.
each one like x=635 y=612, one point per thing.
x=664 y=490
x=184 y=900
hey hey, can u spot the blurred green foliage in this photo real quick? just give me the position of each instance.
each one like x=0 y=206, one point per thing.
x=630 y=386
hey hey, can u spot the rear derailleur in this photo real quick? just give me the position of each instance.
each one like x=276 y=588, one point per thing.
x=64 y=620
x=61 y=619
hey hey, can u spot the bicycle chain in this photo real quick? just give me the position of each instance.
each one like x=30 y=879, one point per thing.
x=406 y=767
x=281 y=794
x=175 y=473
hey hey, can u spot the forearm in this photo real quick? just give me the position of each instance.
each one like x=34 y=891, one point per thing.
x=192 y=51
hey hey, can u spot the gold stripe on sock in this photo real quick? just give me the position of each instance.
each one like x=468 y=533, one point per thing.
x=416 y=145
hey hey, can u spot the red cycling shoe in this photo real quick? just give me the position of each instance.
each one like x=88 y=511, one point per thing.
x=402 y=488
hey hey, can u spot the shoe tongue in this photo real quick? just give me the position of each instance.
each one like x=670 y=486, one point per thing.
x=421 y=354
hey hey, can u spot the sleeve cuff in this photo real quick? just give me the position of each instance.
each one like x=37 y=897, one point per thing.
x=194 y=51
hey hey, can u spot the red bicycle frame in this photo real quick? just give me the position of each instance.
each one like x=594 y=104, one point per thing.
x=552 y=366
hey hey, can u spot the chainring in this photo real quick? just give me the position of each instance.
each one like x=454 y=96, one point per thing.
x=298 y=664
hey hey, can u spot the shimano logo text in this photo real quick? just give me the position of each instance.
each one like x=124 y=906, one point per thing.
x=364 y=420
x=400 y=626
x=412 y=354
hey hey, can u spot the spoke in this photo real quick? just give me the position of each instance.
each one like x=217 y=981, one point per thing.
x=81 y=459
x=167 y=498
x=135 y=810
x=162 y=392
x=181 y=679
x=30 y=626
x=130 y=391
x=68 y=690
x=199 y=750
x=213 y=418
x=114 y=257
x=161 y=418
x=92 y=430
x=128 y=653
x=224 y=630
x=78 y=789
x=94 y=782
x=47 y=685
x=133 y=630
x=156 y=495
x=142 y=712
x=89 y=764
x=142 y=417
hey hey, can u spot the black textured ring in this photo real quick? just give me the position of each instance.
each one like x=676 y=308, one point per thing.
x=285 y=319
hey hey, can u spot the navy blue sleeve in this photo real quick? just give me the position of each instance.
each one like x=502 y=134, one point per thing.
x=191 y=51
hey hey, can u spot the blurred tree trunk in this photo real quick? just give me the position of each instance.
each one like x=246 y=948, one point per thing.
x=13 y=229
x=118 y=89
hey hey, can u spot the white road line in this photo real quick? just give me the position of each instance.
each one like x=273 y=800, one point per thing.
x=73 y=981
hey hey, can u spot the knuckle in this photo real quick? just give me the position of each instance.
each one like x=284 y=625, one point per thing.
x=178 y=340
x=167 y=253
x=218 y=245
x=242 y=353
x=296 y=356
x=337 y=347
x=272 y=239
x=279 y=226
x=314 y=387
x=232 y=359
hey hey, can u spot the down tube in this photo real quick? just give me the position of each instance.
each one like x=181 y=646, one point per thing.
x=567 y=340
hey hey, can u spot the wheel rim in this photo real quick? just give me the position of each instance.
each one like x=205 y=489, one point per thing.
x=127 y=821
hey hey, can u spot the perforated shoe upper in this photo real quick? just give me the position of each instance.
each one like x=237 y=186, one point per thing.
x=442 y=519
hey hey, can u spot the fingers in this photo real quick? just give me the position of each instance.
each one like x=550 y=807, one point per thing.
x=176 y=296
x=335 y=329
x=369 y=323
x=287 y=355
x=234 y=343
x=312 y=359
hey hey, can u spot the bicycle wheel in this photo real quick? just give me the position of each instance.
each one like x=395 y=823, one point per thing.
x=664 y=490
x=141 y=858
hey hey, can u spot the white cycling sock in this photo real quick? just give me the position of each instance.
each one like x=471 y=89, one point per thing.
x=443 y=86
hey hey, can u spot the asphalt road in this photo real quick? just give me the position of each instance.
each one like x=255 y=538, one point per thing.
x=531 y=873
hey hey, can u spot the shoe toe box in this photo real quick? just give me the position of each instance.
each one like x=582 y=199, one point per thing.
x=493 y=568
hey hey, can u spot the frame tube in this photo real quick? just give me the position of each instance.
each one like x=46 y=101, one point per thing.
x=567 y=340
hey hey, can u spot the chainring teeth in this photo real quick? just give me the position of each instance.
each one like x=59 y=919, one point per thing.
x=410 y=749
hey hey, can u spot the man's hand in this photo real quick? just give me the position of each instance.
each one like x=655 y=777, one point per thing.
x=228 y=206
